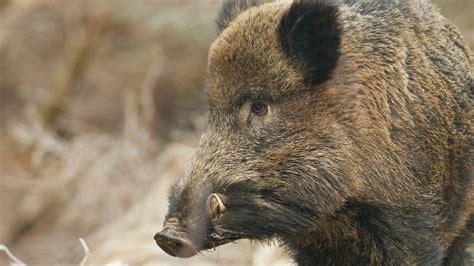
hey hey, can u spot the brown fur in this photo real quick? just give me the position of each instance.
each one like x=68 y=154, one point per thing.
x=371 y=166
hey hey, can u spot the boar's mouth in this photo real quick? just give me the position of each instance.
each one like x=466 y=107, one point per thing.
x=177 y=243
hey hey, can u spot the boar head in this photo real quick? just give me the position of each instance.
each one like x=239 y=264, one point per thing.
x=271 y=159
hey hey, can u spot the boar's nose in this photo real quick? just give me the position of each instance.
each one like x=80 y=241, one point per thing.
x=174 y=245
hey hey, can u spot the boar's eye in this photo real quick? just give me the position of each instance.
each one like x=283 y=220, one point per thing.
x=259 y=108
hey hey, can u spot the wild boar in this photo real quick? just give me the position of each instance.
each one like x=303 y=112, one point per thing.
x=340 y=128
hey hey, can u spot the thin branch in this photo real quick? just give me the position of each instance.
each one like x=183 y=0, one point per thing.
x=87 y=251
x=15 y=260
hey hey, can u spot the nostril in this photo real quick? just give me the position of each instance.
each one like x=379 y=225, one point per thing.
x=173 y=245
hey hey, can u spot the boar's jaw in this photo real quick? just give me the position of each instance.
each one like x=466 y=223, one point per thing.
x=178 y=242
x=175 y=245
x=180 y=245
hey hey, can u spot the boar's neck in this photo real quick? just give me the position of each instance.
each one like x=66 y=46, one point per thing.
x=363 y=234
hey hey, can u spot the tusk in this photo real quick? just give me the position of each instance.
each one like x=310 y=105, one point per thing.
x=215 y=206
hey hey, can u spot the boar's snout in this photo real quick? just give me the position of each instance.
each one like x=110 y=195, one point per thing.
x=173 y=244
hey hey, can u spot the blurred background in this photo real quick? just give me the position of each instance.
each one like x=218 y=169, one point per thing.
x=101 y=106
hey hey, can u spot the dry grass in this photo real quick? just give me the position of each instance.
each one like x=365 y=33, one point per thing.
x=116 y=133
x=111 y=190
x=123 y=129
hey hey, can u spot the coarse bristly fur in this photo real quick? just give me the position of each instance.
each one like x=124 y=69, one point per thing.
x=341 y=128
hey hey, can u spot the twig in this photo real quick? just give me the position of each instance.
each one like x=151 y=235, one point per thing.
x=75 y=62
x=15 y=260
x=152 y=76
x=87 y=251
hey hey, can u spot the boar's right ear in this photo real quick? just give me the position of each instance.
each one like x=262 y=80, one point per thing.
x=231 y=9
x=310 y=37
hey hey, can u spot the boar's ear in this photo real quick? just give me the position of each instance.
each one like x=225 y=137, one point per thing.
x=310 y=37
x=231 y=9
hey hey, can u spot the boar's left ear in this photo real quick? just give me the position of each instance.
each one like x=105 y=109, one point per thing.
x=231 y=9
x=310 y=36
